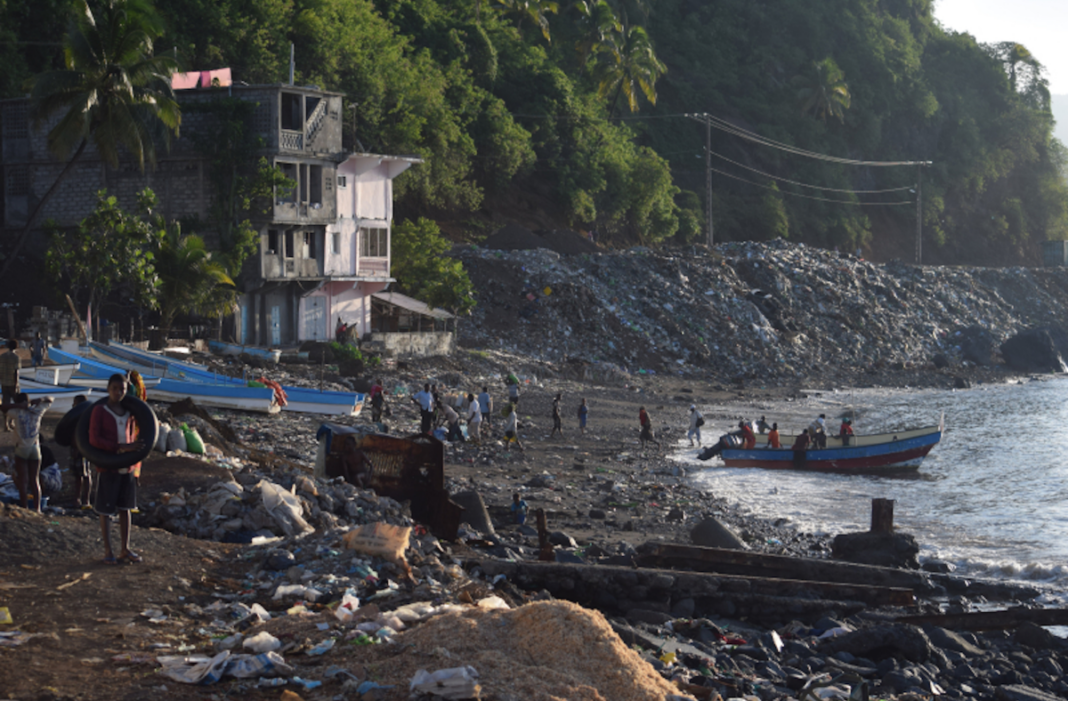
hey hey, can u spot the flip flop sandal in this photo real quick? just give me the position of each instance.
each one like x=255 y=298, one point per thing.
x=110 y=560
x=132 y=557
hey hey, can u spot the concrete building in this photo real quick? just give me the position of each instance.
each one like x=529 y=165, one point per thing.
x=324 y=244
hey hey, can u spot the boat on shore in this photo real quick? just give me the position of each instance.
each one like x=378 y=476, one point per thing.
x=900 y=451
x=163 y=389
x=271 y=355
x=56 y=374
x=63 y=397
x=304 y=400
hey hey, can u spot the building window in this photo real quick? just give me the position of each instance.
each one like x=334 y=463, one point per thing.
x=289 y=244
x=18 y=181
x=292 y=112
x=272 y=242
x=342 y=181
x=337 y=243
x=374 y=243
x=309 y=244
x=303 y=184
x=315 y=185
x=288 y=194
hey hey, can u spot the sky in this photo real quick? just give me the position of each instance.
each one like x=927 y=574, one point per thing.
x=1037 y=24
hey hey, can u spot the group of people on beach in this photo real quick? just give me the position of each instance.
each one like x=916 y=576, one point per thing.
x=438 y=411
x=112 y=429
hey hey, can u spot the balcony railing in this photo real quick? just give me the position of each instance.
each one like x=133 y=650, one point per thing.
x=291 y=140
x=373 y=267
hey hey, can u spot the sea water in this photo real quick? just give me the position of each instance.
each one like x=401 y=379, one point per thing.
x=991 y=498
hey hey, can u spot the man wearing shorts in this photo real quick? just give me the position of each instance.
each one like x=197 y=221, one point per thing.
x=113 y=429
x=9 y=379
x=28 y=446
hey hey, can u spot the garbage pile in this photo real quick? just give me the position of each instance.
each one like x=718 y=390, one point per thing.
x=252 y=506
x=749 y=309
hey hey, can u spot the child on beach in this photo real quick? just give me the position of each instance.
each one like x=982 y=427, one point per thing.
x=28 y=446
x=519 y=509
x=113 y=429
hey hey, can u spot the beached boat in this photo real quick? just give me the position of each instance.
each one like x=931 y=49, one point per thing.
x=875 y=453
x=303 y=400
x=63 y=396
x=269 y=354
x=59 y=374
x=222 y=396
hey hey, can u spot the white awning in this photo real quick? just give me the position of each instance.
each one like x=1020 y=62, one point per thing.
x=413 y=305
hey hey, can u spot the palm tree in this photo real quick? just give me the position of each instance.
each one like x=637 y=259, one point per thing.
x=535 y=10
x=112 y=92
x=598 y=22
x=823 y=90
x=188 y=280
x=631 y=66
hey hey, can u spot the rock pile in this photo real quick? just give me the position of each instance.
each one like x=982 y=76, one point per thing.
x=750 y=309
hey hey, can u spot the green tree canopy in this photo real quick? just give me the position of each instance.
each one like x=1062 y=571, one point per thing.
x=424 y=272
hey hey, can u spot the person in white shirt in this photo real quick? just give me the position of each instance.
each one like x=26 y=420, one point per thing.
x=28 y=446
x=818 y=431
x=696 y=421
x=511 y=427
x=474 y=419
x=425 y=401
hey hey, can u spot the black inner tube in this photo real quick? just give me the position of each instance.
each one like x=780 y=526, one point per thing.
x=67 y=426
x=148 y=432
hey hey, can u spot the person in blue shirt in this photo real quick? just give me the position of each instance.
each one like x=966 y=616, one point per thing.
x=519 y=509
x=583 y=412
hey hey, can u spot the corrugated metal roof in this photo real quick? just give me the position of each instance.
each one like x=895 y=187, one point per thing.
x=412 y=305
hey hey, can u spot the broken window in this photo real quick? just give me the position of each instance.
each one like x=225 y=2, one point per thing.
x=303 y=184
x=272 y=242
x=309 y=244
x=315 y=185
x=289 y=244
x=337 y=243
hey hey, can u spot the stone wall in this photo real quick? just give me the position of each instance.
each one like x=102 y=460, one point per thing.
x=419 y=344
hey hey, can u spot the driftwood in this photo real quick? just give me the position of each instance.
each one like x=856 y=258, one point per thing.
x=991 y=620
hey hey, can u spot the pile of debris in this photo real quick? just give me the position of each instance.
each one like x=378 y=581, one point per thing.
x=749 y=309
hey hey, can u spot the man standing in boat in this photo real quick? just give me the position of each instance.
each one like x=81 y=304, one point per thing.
x=800 y=447
x=845 y=431
x=818 y=432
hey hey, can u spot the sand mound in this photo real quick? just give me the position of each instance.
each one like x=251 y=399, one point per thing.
x=544 y=651
x=568 y=243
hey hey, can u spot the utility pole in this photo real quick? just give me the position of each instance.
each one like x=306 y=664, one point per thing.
x=707 y=119
x=919 y=213
x=708 y=174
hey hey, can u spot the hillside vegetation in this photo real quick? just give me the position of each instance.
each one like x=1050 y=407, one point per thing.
x=571 y=113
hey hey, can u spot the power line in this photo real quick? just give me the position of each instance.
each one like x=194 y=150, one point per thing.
x=811 y=197
x=814 y=187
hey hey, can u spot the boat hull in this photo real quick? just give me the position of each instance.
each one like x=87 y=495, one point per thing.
x=63 y=396
x=50 y=374
x=902 y=453
x=268 y=354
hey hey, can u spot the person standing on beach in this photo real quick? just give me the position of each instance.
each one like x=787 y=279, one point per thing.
x=485 y=403
x=557 y=425
x=511 y=427
x=474 y=420
x=513 y=393
x=79 y=468
x=800 y=448
x=38 y=349
x=113 y=429
x=646 y=435
x=696 y=422
x=424 y=400
x=9 y=379
x=583 y=412
x=28 y=446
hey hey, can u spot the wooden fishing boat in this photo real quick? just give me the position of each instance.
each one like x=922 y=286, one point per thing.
x=900 y=451
x=63 y=397
x=269 y=354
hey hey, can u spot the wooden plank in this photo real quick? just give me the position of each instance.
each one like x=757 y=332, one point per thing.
x=992 y=620
x=746 y=563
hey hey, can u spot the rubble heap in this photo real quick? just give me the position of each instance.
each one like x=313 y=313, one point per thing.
x=748 y=309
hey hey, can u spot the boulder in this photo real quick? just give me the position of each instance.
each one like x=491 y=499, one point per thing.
x=351 y=368
x=1019 y=692
x=475 y=513
x=949 y=640
x=977 y=345
x=1032 y=351
x=710 y=533
x=1037 y=637
x=940 y=360
x=881 y=549
x=882 y=642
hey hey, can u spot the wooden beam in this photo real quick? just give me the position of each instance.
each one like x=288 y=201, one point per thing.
x=992 y=620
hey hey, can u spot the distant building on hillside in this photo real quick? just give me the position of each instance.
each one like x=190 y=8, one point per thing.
x=324 y=245
x=1054 y=253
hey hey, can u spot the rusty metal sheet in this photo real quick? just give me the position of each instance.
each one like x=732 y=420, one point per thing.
x=406 y=469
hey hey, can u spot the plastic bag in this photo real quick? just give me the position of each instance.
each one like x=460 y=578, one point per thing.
x=193 y=442
x=284 y=507
x=176 y=440
x=262 y=642
x=161 y=437
x=454 y=683
x=346 y=610
x=196 y=669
